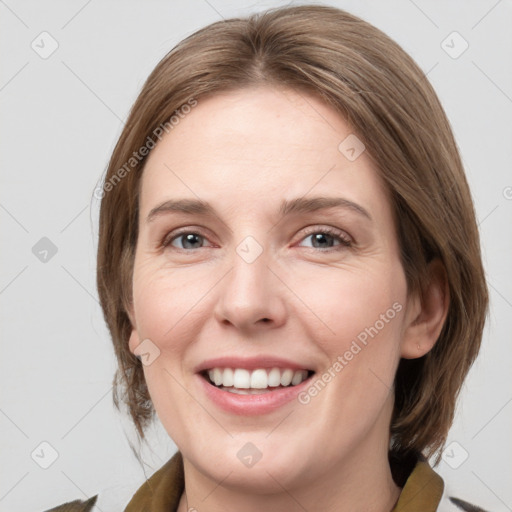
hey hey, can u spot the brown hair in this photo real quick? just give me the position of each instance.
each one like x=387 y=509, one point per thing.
x=393 y=109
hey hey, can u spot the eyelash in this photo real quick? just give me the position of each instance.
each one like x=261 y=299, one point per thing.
x=344 y=239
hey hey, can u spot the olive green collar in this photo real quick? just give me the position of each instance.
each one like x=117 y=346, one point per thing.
x=162 y=492
x=423 y=490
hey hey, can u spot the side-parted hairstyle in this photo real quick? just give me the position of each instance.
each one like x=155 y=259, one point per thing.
x=391 y=106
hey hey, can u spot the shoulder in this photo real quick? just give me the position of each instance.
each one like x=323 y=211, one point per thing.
x=76 y=506
x=452 y=504
x=424 y=489
x=109 y=499
x=161 y=492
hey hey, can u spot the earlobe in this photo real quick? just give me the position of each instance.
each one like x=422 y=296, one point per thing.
x=133 y=341
x=428 y=314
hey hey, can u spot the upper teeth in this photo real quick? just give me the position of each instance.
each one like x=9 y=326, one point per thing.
x=257 y=379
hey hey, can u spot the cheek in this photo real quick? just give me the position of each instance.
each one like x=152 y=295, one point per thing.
x=165 y=303
x=364 y=312
x=350 y=304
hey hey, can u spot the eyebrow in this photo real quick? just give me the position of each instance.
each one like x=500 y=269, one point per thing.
x=288 y=207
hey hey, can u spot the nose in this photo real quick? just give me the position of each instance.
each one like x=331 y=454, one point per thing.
x=251 y=296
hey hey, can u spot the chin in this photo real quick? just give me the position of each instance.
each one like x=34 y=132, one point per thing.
x=255 y=463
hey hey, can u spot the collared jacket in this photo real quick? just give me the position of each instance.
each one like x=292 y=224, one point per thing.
x=423 y=492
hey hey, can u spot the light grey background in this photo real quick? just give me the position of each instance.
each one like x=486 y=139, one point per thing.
x=61 y=117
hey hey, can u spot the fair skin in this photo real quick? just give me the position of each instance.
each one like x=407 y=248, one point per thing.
x=304 y=299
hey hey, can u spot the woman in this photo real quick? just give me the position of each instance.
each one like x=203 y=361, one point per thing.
x=289 y=266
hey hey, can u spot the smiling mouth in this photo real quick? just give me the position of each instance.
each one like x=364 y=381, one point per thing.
x=253 y=382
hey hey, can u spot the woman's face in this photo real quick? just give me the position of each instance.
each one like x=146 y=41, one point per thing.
x=267 y=252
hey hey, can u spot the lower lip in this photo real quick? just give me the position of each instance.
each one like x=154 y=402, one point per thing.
x=246 y=405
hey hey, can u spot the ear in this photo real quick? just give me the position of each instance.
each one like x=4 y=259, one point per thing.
x=134 y=340
x=426 y=314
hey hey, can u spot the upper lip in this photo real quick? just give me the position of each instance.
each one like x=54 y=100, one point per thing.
x=250 y=363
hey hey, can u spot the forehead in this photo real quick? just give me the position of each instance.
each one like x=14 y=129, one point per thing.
x=256 y=146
